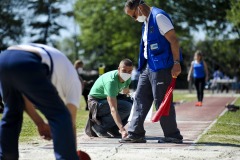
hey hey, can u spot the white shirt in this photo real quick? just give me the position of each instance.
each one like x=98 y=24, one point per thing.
x=64 y=76
x=164 y=25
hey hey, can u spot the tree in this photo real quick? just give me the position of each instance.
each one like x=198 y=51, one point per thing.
x=222 y=53
x=107 y=32
x=46 y=20
x=233 y=15
x=11 y=30
x=67 y=47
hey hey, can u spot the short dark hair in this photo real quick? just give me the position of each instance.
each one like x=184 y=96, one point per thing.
x=132 y=4
x=126 y=62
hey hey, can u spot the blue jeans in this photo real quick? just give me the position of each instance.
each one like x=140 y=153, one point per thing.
x=105 y=117
x=152 y=86
x=22 y=73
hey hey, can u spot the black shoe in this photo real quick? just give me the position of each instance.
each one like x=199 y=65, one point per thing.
x=99 y=134
x=114 y=132
x=130 y=139
x=170 y=140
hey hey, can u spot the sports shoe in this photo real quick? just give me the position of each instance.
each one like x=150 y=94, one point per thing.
x=99 y=134
x=198 y=104
x=170 y=140
x=130 y=139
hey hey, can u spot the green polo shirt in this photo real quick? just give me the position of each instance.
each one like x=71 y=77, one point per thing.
x=108 y=84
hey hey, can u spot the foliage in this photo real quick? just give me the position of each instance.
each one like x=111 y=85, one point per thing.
x=222 y=53
x=106 y=31
x=44 y=22
x=67 y=46
x=11 y=23
x=188 y=14
x=108 y=34
x=31 y=20
x=233 y=15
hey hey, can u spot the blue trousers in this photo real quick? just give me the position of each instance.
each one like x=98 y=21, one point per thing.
x=104 y=114
x=22 y=73
x=152 y=86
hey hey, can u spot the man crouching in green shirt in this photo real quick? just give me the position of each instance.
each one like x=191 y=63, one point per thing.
x=108 y=113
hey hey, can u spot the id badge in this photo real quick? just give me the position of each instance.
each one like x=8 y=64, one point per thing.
x=154 y=46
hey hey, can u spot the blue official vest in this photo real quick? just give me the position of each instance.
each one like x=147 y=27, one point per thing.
x=158 y=48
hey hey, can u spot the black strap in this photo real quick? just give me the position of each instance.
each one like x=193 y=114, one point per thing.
x=51 y=61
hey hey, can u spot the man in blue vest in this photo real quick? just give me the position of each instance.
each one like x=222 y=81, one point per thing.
x=159 y=61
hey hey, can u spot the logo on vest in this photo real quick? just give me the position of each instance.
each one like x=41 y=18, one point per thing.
x=151 y=30
x=158 y=83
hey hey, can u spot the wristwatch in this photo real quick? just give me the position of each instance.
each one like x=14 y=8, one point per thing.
x=176 y=62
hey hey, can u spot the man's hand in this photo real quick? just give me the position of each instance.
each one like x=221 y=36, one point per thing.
x=44 y=131
x=123 y=132
x=43 y=127
x=125 y=91
x=176 y=70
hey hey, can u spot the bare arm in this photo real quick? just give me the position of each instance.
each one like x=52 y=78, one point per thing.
x=190 y=72
x=114 y=112
x=73 y=111
x=172 y=39
x=43 y=127
x=206 y=70
x=126 y=91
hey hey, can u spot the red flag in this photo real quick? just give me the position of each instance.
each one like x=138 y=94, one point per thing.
x=164 y=107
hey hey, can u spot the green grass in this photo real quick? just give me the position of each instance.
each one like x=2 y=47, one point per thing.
x=29 y=130
x=226 y=130
x=180 y=96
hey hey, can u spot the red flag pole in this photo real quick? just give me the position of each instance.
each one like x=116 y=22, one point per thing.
x=164 y=107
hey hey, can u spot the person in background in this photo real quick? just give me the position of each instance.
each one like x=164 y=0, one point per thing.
x=110 y=110
x=37 y=75
x=199 y=69
x=217 y=75
x=225 y=86
x=86 y=84
x=134 y=78
x=159 y=61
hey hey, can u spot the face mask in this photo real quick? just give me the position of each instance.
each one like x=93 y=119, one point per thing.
x=79 y=70
x=141 y=18
x=125 y=76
